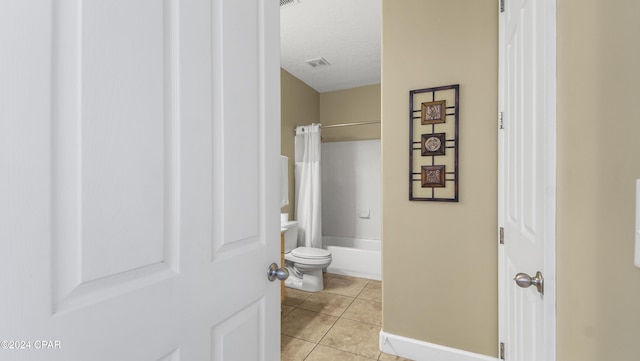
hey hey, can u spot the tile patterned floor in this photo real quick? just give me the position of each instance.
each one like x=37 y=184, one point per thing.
x=340 y=323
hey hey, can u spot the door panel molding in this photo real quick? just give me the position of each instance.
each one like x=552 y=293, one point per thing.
x=112 y=233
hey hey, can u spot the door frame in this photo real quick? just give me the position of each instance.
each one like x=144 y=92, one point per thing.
x=550 y=158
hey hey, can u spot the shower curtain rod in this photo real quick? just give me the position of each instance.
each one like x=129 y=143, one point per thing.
x=347 y=124
x=350 y=124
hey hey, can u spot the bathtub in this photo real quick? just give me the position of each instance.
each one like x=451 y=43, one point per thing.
x=354 y=256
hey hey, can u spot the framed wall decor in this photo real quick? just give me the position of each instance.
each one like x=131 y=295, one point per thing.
x=433 y=112
x=433 y=144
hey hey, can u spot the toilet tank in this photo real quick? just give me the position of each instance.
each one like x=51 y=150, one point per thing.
x=290 y=230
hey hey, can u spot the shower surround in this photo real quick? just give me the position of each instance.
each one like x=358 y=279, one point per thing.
x=351 y=207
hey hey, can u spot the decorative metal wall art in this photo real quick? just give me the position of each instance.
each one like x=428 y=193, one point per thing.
x=433 y=144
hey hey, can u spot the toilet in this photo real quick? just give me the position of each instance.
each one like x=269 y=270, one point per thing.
x=305 y=264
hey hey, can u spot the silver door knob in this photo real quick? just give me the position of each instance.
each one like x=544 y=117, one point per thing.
x=275 y=272
x=524 y=280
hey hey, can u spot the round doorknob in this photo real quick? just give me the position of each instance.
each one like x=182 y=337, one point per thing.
x=524 y=280
x=275 y=272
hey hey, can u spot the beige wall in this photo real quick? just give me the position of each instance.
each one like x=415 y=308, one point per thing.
x=440 y=259
x=360 y=104
x=428 y=260
x=598 y=161
x=300 y=105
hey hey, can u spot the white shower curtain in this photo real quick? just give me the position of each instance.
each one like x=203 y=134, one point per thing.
x=308 y=191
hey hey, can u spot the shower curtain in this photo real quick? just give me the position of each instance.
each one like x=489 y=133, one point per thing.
x=308 y=191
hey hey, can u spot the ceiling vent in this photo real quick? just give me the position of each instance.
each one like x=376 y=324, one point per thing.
x=319 y=62
x=286 y=3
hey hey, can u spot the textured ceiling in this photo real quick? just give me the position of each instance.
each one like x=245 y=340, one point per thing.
x=344 y=32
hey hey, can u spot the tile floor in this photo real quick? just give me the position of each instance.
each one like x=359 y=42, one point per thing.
x=340 y=323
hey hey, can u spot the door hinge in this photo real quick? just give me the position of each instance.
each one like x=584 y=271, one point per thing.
x=500 y=120
x=501 y=350
x=501 y=235
x=501 y=6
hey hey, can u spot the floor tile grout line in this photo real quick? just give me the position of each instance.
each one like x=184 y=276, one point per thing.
x=319 y=312
x=365 y=286
x=329 y=330
x=310 y=352
x=353 y=353
x=365 y=322
x=343 y=311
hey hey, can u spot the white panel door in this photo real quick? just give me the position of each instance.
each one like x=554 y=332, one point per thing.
x=527 y=178
x=139 y=159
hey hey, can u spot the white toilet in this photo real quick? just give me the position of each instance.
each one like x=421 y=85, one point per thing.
x=305 y=264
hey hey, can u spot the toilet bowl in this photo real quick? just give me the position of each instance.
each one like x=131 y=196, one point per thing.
x=305 y=264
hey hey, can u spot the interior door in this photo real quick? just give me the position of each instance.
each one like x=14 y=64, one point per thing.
x=139 y=155
x=527 y=180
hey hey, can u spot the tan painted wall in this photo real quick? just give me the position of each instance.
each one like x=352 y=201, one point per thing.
x=300 y=105
x=440 y=259
x=426 y=264
x=360 y=104
x=598 y=161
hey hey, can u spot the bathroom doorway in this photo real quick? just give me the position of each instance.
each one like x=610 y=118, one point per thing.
x=330 y=75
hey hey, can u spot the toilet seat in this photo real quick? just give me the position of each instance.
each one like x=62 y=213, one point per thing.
x=308 y=257
x=310 y=252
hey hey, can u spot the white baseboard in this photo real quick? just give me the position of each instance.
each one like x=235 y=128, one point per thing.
x=425 y=351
